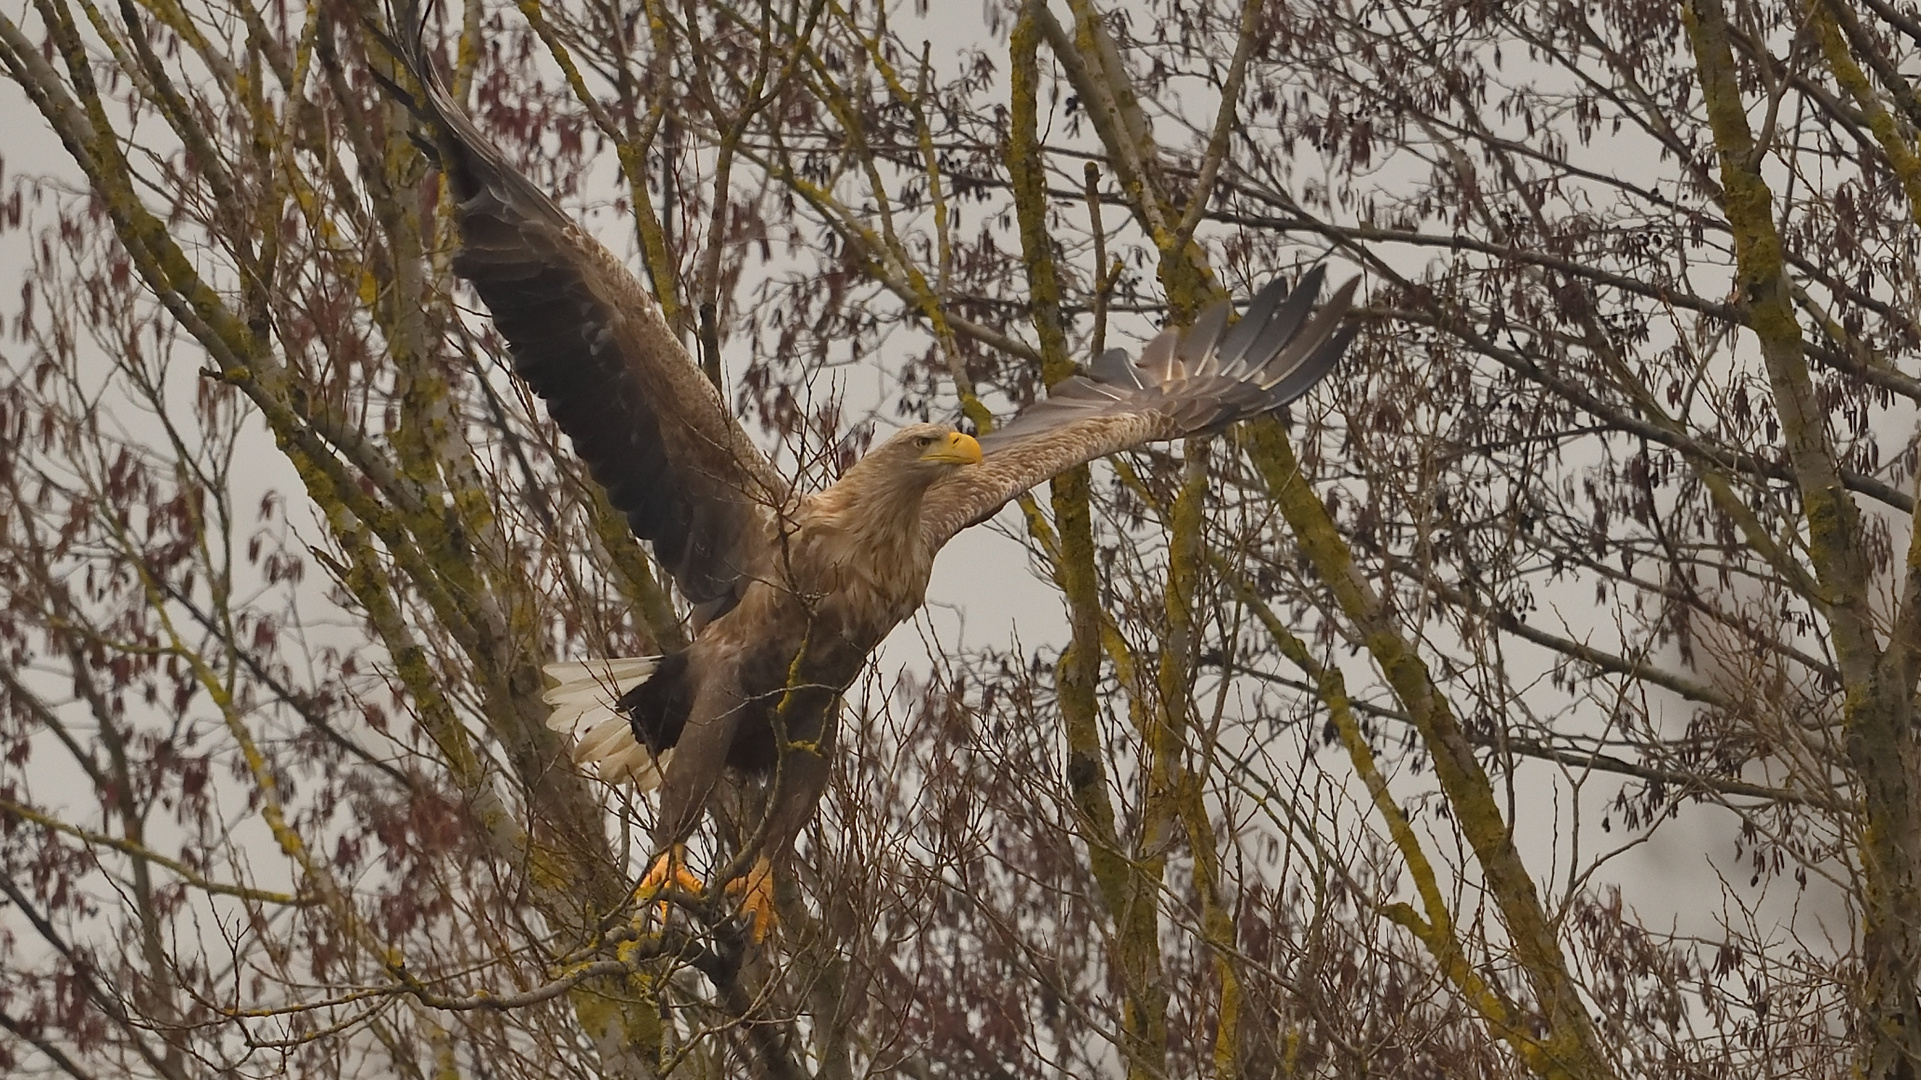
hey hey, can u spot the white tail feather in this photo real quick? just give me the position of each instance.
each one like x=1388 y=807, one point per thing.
x=583 y=700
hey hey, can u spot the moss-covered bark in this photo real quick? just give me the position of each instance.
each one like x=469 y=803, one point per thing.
x=414 y=518
x=1567 y=1045
x=1129 y=888
x=1877 y=684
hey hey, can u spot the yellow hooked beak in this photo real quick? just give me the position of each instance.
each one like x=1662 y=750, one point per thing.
x=958 y=448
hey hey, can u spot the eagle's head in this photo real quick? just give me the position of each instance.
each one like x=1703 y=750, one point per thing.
x=878 y=501
x=932 y=450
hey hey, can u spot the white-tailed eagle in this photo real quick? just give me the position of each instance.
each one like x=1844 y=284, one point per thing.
x=790 y=590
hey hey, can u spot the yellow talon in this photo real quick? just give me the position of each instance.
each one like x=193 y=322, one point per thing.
x=669 y=869
x=756 y=893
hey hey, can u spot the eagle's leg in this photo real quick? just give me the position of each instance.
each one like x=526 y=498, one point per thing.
x=805 y=769
x=670 y=869
x=756 y=893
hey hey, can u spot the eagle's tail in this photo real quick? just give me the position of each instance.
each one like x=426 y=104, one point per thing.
x=584 y=702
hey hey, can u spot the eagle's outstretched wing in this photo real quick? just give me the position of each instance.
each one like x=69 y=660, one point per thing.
x=1185 y=383
x=591 y=342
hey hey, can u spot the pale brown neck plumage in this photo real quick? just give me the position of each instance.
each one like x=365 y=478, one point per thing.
x=877 y=504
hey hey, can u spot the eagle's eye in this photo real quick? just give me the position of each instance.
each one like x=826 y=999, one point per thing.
x=924 y=441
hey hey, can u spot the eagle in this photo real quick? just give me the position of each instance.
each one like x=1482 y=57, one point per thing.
x=790 y=591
